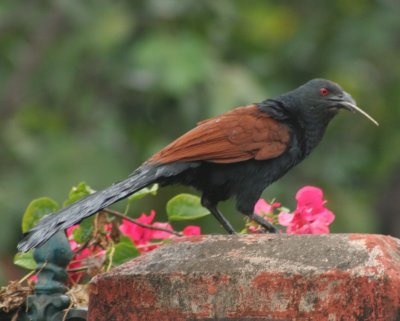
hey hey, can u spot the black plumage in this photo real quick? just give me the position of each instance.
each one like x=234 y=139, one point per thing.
x=237 y=154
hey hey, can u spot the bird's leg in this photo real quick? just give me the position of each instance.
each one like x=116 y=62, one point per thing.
x=221 y=219
x=212 y=207
x=264 y=223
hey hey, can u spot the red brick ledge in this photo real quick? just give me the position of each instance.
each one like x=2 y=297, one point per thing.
x=336 y=277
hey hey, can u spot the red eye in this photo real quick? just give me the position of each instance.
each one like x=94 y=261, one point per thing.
x=324 y=91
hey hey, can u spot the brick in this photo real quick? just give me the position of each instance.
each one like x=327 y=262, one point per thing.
x=336 y=277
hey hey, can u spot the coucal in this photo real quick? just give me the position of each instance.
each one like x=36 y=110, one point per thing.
x=237 y=154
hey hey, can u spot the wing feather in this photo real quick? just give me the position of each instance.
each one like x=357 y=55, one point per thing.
x=241 y=134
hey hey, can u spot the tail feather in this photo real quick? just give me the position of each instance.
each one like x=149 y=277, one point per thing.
x=76 y=212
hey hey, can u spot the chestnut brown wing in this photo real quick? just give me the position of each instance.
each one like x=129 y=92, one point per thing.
x=241 y=134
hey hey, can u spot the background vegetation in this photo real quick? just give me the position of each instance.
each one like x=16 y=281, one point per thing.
x=90 y=89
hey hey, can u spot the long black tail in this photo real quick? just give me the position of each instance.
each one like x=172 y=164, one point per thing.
x=74 y=213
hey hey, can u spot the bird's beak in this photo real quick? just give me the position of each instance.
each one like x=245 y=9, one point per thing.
x=347 y=102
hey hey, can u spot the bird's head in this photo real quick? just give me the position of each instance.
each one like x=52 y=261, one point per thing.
x=321 y=99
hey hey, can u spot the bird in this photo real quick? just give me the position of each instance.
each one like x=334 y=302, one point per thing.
x=237 y=154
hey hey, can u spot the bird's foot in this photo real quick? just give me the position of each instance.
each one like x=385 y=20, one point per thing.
x=264 y=223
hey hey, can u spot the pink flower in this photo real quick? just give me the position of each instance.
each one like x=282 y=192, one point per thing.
x=263 y=208
x=142 y=237
x=139 y=235
x=310 y=216
x=69 y=231
x=191 y=230
x=161 y=235
x=82 y=257
x=253 y=229
x=33 y=278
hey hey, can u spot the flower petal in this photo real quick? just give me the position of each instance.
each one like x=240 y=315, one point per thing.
x=318 y=227
x=191 y=230
x=262 y=207
x=326 y=216
x=161 y=235
x=285 y=218
x=309 y=196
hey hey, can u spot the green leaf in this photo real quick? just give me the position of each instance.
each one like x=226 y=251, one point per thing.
x=143 y=192
x=36 y=210
x=78 y=192
x=84 y=231
x=25 y=260
x=123 y=251
x=185 y=207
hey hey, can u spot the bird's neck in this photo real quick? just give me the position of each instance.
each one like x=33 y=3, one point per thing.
x=308 y=129
x=313 y=134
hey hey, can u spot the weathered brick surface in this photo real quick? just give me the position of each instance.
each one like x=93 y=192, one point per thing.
x=256 y=277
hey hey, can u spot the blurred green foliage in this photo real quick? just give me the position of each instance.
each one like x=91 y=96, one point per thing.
x=90 y=89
